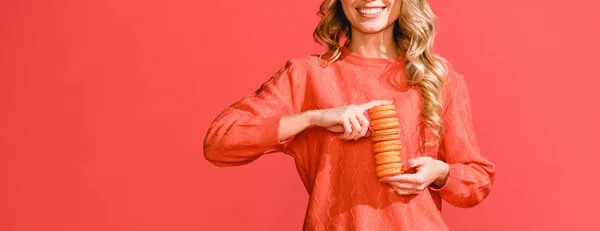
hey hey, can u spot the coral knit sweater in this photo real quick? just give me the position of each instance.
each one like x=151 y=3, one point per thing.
x=345 y=193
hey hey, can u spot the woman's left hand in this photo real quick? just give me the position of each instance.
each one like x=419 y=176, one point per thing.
x=429 y=171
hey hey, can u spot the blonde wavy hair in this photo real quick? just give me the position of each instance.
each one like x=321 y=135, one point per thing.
x=414 y=33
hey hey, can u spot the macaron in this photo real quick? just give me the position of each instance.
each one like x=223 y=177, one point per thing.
x=385 y=137
x=385 y=123
x=387 y=158
x=386 y=143
x=386 y=132
x=389 y=169
x=387 y=148
x=382 y=108
x=382 y=114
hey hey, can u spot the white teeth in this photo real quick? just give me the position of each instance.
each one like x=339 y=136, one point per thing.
x=370 y=10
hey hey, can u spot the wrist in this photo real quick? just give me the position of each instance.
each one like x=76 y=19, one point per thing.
x=444 y=174
x=311 y=117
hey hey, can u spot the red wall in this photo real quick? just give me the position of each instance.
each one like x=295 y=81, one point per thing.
x=105 y=105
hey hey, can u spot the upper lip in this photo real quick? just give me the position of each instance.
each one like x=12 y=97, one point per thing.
x=368 y=7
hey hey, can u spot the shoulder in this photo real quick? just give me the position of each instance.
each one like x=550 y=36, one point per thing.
x=455 y=88
x=306 y=62
x=454 y=80
x=302 y=66
x=452 y=75
x=296 y=70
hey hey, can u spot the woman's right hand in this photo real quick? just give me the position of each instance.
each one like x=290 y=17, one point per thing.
x=350 y=120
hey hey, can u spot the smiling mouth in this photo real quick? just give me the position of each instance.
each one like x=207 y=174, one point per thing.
x=370 y=11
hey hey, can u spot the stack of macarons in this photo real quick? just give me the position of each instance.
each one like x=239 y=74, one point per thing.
x=386 y=137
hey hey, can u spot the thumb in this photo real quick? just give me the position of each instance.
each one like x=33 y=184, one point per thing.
x=416 y=162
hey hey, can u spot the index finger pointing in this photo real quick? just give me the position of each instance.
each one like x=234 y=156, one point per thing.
x=374 y=103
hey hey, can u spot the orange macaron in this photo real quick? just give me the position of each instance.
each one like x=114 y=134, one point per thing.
x=386 y=134
x=388 y=158
x=387 y=148
x=385 y=123
x=386 y=143
x=389 y=169
x=386 y=137
x=382 y=108
x=382 y=114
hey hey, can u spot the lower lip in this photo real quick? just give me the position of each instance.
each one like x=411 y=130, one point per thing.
x=371 y=15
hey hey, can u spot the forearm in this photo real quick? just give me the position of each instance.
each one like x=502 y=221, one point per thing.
x=291 y=125
x=237 y=137
x=467 y=184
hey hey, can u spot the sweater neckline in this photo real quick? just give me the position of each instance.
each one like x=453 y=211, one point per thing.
x=348 y=55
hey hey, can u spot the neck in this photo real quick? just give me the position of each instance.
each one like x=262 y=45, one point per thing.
x=375 y=45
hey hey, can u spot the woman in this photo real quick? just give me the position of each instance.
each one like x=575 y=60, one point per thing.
x=314 y=109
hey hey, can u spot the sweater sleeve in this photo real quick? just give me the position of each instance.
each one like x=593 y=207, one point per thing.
x=471 y=175
x=249 y=127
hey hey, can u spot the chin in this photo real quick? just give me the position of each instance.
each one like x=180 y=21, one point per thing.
x=371 y=29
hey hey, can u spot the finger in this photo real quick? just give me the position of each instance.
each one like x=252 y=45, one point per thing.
x=409 y=187
x=356 y=128
x=419 y=161
x=347 y=128
x=364 y=123
x=374 y=103
x=406 y=192
x=404 y=178
x=370 y=131
x=336 y=128
x=404 y=186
